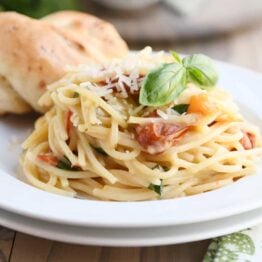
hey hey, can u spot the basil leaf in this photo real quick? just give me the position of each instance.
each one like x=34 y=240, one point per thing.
x=66 y=164
x=200 y=70
x=176 y=56
x=156 y=188
x=163 y=84
x=100 y=150
x=181 y=108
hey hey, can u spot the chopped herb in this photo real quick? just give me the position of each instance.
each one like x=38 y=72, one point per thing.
x=156 y=188
x=100 y=150
x=165 y=168
x=75 y=95
x=181 y=108
x=66 y=164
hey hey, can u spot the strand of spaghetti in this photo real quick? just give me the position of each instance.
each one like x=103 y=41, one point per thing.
x=87 y=189
x=58 y=102
x=207 y=187
x=124 y=177
x=40 y=134
x=227 y=168
x=237 y=175
x=119 y=194
x=190 y=119
x=60 y=119
x=94 y=162
x=52 y=180
x=64 y=182
x=29 y=173
x=93 y=116
x=103 y=133
x=119 y=155
x=66 y=94
x=100 y=102
x=195 y=141
x=171 y=192
x=113 y=139
x=196 y=167
x=225 y=138
x=63 y=146
x=32 y=156
x=91 y=182
x=84 y=111
x=52 y=142
x=143 y=169
x=81 y=155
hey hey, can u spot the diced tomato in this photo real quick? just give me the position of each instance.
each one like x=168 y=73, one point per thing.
x=248 y=141
x=68 y=122
x=158 y=137
x=49 y=159
x=200 y=104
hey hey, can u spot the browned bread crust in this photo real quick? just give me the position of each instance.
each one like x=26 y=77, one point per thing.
x=34 y=53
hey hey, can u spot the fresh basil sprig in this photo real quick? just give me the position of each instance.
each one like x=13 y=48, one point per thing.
x=165 y=83
x=200 y=70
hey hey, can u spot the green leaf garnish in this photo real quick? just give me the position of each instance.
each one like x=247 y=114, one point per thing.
x=156 y=188
x=66 y=164
x=176 y=56
x=75 y=95
x=166 y=82
x=100 y=150
x=165 y=168
x=163 y=85
x=181 y=108
x=200 y=70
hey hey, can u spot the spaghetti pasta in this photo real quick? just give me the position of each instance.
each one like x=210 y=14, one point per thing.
x=98 y=141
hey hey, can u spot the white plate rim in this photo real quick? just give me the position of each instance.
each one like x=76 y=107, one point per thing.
x=134 y=237
x=59 y=209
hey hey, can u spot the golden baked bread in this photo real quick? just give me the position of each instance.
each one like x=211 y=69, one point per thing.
x=34 y=53
x=10 y=101
x=98 y=39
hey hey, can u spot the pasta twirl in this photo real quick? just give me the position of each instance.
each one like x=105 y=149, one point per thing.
x=98 y=141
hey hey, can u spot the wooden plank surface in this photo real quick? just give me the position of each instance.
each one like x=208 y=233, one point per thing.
x=243 y=48
x=6 y=243
x=32 y=249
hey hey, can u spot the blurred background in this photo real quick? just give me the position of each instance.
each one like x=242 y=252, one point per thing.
x=229 y=30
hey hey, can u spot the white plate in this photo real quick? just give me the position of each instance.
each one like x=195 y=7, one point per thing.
x=132 y=236
x=244 y=195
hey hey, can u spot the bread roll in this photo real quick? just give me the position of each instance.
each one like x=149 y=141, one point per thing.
x=96 y=37
x=10 y=101
x=34 y=53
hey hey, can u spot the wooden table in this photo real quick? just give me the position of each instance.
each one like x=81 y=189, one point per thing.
x=242 y=48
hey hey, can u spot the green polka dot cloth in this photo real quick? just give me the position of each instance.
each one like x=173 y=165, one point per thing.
x=244 y=246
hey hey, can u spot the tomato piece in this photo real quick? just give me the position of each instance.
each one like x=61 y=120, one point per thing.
x=158 y=137
x=248 y=141
x=48 y=159
x=200 y=104
x=68 y=122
